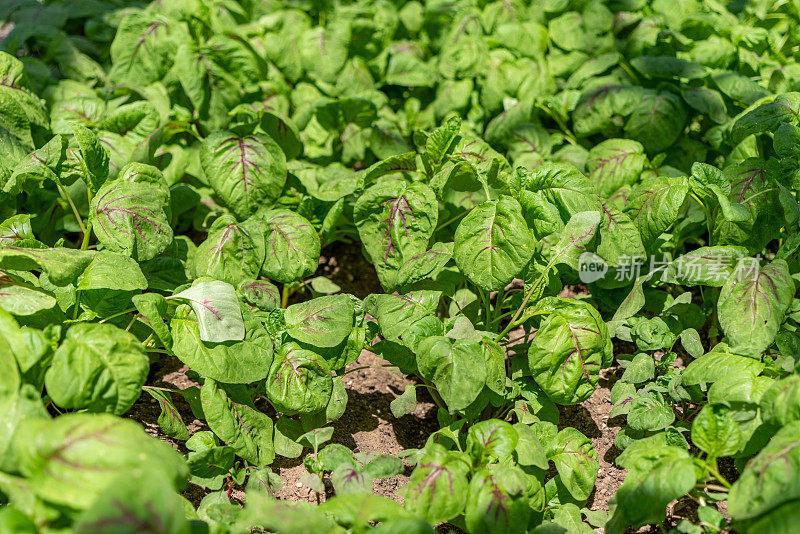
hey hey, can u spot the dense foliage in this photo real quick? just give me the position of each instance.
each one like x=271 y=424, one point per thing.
x=169 y=174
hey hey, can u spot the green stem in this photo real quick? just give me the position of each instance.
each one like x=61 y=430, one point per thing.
x=528 y=295
x=486 y=191
x=368 y=367
x=451 y=220
x=167 y=390
x=711 y=467
x=87 y=235
x=285 y=296
x=130 y=324
x=117 y=315
x=498 y=307
x=72 y=205
x=486 y=307
x=707 y=211
x=435 y=395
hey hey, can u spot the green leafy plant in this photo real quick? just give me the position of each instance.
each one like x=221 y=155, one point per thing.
x=556 y=197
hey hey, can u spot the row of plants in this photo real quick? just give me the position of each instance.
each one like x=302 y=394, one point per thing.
x=171 y=172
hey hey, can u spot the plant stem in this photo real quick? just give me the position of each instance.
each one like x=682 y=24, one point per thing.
x=452 y=219
x=534 y=287
x=135 y=317
x=367 y=367
x=72 y=205
x=285 y=296
x=117 y=315
x=167 y=390
x=498 y=307
x=711 y=467
x=86 y=236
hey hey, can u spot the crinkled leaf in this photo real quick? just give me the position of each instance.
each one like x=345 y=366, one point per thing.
x=493 y=243
x=321 y=322
x=98 y=367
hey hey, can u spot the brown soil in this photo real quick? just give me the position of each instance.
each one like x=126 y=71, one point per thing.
x=368 y=424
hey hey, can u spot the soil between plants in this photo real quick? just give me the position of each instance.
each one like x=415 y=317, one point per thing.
x=368 y=424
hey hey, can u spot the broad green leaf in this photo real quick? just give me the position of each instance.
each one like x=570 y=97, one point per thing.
x=493 y=243
x=169 y=420
x=770 y=479
x=780 y=404
x=232 y=362
x=260 y=293
x=109 y=282
x=707 y=101
x=232 y=417
x=656 y=121
x=153 y=309
x=654 y=205
x=438 y=488
x=615 y=163
x=618 y=239
x=658 y=473
x=561 y=184
x=62 y=265
x=327 y=183
x=690 y=339
x=576 y=237
x=640 y=369
x=715 y=365
x=75 y=458
x=321 y=322
x=397 y=314
x=715 y=432
x=21 y=301
x=233 y=252
x=299 y=381
x=425 y=264
x=456 y=368
x=98 y=367
x=497 y=500
x=284 y=131
x=766 y=117
x=144 y=48
x=406 y=403
x=571 y=346
x=20 y=108
x=132 y=215
x=708 y=266
x=16 y=228
x=650 y=411
x=39 y=166
x=406 y=162
x=292 y=246
x=492 y=440
x=125 y=508
x=576 y=462
x=529 y=450
x=395 y=220
x=752 y=303
x=109 y=270
x=92 y=157
x=668 y=67
x=247 y=173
